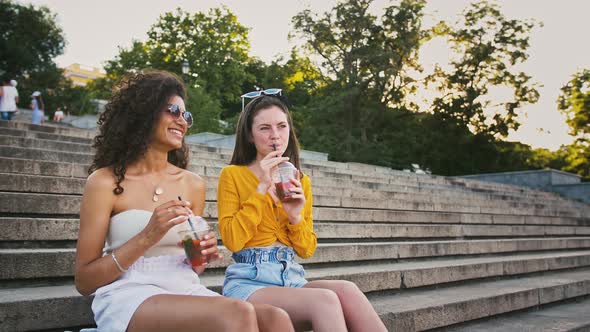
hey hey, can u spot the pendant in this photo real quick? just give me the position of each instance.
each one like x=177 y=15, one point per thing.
x=155 y=198
x=159 y=191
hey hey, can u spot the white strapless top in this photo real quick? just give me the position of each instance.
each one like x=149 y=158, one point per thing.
x=125 y=225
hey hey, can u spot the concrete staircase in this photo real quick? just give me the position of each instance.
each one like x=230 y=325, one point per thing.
x=431 y=252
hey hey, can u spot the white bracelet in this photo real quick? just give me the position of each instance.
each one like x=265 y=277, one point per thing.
x=117 y=262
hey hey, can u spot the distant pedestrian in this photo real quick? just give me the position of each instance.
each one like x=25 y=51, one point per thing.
x=58 y=115
x=37 y=107
x=9 y=100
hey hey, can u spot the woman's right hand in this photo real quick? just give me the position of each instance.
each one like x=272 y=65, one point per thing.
x=165 y=217
x=270 y=161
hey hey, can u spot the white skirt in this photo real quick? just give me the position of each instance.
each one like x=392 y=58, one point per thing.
x=115 y=303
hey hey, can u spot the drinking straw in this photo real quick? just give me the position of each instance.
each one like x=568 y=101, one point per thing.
x=274 y=146
x=190 y=222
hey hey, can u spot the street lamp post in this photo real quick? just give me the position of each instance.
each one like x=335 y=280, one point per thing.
x=185 y=67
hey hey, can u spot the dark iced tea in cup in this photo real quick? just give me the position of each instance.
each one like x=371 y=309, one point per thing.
x=281 y=177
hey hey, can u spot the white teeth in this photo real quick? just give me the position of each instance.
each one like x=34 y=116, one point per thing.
x=176 y=131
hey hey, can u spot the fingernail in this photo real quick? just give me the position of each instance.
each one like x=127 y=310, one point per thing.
x=206 y=237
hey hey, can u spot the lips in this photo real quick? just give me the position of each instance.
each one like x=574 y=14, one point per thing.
x=176 y=132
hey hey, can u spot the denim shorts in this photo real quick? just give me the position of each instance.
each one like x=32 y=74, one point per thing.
x=256 y=268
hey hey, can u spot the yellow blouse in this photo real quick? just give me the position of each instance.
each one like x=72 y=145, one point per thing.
x=250 y=219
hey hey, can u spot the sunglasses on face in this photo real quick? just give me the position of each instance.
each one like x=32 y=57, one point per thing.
x=258 y=93
x=176 y=112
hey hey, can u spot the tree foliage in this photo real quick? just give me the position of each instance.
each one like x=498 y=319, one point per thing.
x=29 y=38
x=489 y=46
x=215 y=45
x=365 y=62
x=574 y=102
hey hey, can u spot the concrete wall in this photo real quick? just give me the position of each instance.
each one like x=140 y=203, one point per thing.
x=535 y=179
x=566 y=184
x=579 y=191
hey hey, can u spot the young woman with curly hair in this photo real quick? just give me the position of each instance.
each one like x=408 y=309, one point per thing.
x=130 y=202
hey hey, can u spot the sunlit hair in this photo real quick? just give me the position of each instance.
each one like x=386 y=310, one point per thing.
x=245 y=150
x=127 y=125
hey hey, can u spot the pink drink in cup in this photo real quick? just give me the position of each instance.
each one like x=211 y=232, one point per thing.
x=281 y=177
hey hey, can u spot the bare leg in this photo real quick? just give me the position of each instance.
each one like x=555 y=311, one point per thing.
x=189 y=313
x=358 y=311
x=272 y=319
x=309 y=308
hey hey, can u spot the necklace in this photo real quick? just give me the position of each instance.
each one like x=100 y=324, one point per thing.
x=157 y=191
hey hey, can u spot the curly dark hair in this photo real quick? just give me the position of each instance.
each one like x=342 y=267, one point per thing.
x=127 y=124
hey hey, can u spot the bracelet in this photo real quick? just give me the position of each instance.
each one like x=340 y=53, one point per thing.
x=117 y=262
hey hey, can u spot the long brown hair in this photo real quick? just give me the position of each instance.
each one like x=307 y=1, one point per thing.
x=245 y=151
x=127 y=124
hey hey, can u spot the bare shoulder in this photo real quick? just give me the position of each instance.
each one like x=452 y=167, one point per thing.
x=193 y=179
x=101 y=180
x=189 y=178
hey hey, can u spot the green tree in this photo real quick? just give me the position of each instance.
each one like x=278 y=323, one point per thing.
x=205 y=110
x=29 y=38
x=574 y=102
x=215 y=45
x=364 y=74
x=489 y=46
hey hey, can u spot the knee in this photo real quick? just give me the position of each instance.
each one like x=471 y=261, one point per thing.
x=348 y=288
x=349 y=293
x=327 y=298
x=243 y=317
x=276 y=316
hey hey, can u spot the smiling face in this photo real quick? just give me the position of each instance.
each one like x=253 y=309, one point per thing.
x=170 y=130
x=270 y=126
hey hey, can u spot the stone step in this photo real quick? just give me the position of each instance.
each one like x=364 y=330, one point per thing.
x=44 y=155
x=41 y=135
x=423 y=309
x=83 y=140
x=48 y=128
x=339 y=198
x=408 y=310
x=44 y=263
x=68 y=205
x=379 y=188
x=26 y=167
x=486 y=203
x=40 y=308
x=220 y=159
x=43 y=168
x=572 y=316
x=361 y=169
x=33 y=143
x=60 y=229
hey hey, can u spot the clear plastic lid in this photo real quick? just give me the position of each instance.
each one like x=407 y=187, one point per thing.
x=286 y=164
x=197 y=223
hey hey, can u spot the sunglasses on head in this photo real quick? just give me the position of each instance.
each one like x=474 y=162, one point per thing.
x=258 y=93
x=176 y=112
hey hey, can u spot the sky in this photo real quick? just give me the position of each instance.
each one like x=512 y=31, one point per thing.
x=95 y=29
